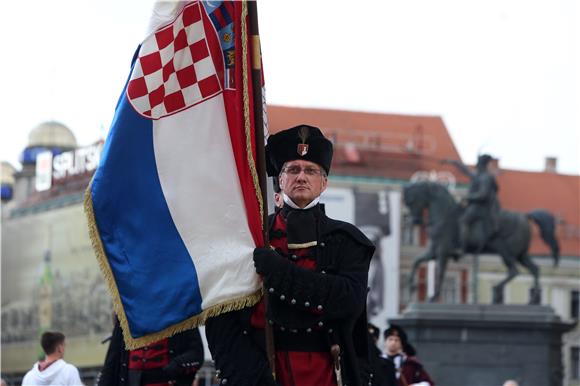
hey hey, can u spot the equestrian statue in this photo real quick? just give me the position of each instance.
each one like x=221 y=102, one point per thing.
x=478 y=227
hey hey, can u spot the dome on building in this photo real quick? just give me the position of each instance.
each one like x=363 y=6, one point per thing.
x=52 y=134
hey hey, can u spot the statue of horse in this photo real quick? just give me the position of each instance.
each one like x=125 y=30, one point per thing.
x=511 y=241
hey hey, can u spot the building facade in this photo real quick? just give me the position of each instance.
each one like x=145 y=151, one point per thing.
x=50 y=277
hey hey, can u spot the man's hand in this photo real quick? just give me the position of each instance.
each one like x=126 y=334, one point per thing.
x=264 y=260
x=184 y=364
x=175 y=369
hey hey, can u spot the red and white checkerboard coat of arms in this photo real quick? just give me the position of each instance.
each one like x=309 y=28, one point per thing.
x=174 y=70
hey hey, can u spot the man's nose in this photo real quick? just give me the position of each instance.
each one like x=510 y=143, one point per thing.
x=302 y=175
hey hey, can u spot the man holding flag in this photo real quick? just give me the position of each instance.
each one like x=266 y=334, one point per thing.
x=175 y=212
x=315 y=274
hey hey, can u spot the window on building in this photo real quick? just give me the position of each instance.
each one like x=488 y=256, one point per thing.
x=575 y=362
x=574 y=304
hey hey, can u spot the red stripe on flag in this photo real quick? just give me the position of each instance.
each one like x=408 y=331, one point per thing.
x=234 y=101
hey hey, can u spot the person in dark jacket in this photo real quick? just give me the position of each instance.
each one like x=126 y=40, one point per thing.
x=410 y=371
x=170 y=361
x=381 y=371
x=315 y=274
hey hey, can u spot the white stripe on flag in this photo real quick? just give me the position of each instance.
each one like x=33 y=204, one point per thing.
x=200 y=182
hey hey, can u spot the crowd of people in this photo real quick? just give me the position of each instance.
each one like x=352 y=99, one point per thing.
x=176 y=360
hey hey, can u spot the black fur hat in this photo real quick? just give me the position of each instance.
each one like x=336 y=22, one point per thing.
x=302 y=142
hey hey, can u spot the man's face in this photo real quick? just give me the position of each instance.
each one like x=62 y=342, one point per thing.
x=302 y=181
x=393 y=345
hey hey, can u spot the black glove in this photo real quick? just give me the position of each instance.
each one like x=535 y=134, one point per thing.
x=265 y=259
x=184 y=364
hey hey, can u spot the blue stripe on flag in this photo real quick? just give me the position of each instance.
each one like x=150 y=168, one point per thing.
x=158 y=286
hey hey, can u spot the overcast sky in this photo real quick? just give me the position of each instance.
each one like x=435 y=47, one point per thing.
x=502 y=74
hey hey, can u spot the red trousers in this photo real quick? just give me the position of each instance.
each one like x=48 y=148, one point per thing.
x=304 y=369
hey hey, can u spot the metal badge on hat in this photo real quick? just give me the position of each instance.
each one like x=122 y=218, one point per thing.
x=302 y=148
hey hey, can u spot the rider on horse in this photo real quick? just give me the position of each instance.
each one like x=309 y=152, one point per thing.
x=480 y=220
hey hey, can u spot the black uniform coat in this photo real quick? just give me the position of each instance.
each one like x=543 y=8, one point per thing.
x=337 y=288
x=381 y=371
x=185 y=350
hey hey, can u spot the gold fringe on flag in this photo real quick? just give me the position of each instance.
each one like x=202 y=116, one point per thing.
x=195 y=321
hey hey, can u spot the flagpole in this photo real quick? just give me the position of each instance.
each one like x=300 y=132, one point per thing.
x=256 y=58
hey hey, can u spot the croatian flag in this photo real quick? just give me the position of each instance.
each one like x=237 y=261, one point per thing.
x=174 y=208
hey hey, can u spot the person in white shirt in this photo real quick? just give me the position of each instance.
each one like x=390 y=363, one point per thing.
x=53 y=370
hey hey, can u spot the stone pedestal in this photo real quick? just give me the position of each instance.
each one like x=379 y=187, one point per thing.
x=484 y=345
